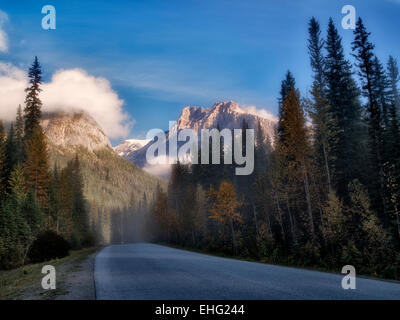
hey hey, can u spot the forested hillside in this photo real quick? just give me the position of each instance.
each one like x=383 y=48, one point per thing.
x=60 y=181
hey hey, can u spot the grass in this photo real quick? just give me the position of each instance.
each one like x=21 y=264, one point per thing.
x=13 y=282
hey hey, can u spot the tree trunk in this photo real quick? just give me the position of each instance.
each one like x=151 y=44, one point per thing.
x=328 y=174
x=292 y=227
x=280 y=219
x=397 y=219
x=233 y=237
x=308 y=198
x=255 y=219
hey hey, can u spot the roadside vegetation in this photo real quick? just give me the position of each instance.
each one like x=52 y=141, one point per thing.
x=14 y=283
x=325 y=192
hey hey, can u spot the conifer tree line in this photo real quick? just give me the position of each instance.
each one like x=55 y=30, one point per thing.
x=35 y=198
x=325 y=192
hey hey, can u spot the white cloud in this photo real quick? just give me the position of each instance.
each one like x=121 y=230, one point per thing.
x=3 y=34
x=74 y=89
x=262 y=113
x=68 y=90
x=13 y=82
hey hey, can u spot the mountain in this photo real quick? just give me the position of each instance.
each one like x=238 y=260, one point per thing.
x=129 y=146
x=223 y=114
x=110 y=182
x=72 y=131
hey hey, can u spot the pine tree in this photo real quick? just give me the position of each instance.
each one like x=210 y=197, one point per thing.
x=394 y=109
x=393 y=136
x=320 y=105
x=345 y=131
x=315 y=49
x=36 y=166
x=287 y=84
x=364 y=54
x=11 y=153
x=32 y=111
x=17 y=183
x=19 y=136
x=295 y=149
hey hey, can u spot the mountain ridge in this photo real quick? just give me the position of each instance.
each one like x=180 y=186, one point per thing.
x=223 y=114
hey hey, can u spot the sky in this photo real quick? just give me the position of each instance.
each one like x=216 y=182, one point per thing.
x=136 y=64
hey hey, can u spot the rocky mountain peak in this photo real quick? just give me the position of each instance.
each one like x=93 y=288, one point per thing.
x=227 y=115
x=223 y=114
x=73 y=130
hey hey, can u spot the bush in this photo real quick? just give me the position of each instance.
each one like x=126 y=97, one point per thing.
x=48 y=245
x=75 y=242
x=89 y=240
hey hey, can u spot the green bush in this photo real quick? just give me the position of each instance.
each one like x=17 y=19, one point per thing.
x=48 y=245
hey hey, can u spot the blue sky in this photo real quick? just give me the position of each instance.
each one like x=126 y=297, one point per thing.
x=161 y=56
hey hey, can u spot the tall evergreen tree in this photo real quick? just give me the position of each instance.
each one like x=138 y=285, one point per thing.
x=19 y=136
x=367 y=65
x=315 y=50
x=295 y=149
x=11 y=154
x=36 y=166
x=393 y=136
x=320 y=105
x=345 y=114
x=286 y=86
x=33 y=104
x=394 y=108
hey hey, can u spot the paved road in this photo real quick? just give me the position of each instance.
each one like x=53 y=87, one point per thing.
x=148 y=271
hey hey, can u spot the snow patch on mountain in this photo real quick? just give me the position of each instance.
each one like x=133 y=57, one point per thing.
x=129 y=146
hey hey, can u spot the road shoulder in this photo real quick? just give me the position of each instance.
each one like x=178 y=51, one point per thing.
x=74 y=279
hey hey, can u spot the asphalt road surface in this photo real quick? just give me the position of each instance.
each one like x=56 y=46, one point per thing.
x=146 y=271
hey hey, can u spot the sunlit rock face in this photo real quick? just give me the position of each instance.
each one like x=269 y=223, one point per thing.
x=222 y=114
x=70 y=131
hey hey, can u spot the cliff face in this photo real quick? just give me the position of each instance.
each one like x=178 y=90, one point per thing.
x=224 y=114
x=71 y=131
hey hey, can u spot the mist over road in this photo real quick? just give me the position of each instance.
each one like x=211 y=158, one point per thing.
x=147 y=271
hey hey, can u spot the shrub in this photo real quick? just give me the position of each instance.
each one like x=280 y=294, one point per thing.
x=89 y=239
x=75 y=242
x=48 y=245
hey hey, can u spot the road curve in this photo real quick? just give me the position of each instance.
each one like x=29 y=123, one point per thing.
x=147 y=271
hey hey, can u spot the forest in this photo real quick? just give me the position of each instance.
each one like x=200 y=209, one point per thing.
x=42 y=209
x=324 y=193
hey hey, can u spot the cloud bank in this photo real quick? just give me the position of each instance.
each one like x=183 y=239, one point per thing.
x=68 y=91
x=3 y=34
